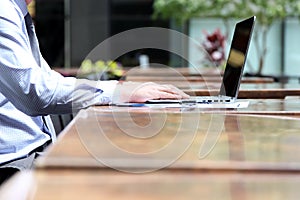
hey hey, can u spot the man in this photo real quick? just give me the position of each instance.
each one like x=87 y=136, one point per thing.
x=30 y=91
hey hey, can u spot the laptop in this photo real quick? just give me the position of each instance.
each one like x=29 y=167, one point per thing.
x=234 y=67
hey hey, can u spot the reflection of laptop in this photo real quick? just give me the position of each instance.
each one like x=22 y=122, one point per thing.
x=234 y=67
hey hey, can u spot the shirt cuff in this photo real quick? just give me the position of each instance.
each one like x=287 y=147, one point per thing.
x=107 y=89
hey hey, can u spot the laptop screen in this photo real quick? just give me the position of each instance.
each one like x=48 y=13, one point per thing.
x=237 y=58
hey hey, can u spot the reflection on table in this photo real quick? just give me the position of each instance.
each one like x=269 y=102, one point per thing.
x=145 y=139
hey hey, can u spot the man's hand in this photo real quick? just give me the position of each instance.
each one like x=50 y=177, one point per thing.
x=141 y=92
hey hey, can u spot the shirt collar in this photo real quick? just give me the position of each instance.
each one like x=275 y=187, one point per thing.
x=22 y=5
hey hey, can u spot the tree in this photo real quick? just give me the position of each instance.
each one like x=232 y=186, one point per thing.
x=266 y=12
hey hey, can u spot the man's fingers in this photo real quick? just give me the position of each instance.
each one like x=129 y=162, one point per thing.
x=167 y=95
x=173 y=90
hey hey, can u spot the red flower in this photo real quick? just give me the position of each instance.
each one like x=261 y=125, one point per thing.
x=214 y=45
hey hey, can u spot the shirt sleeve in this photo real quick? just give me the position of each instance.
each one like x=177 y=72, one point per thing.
x=37 y=90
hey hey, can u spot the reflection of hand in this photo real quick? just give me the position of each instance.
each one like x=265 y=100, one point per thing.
x=141 y=92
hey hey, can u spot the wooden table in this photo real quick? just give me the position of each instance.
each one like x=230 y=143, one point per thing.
x=283 y=108
x=173 y=76
x=222 y=154
x=247 y=91
x=151 y=71
x=176 y=76
x=161 y=185
x=170 y=71
x=73 y=72
x=176 y=139
x=177 y=80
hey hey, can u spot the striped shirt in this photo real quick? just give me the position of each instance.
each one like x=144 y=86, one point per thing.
x=30 y=90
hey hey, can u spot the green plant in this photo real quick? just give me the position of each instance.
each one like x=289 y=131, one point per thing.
x=266 y=11
x=100 y=69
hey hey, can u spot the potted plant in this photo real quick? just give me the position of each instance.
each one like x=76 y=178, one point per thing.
x=267 y=12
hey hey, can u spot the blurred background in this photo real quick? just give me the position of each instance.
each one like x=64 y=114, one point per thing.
x=69 y=29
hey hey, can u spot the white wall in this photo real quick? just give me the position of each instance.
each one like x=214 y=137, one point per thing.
x=292 y=47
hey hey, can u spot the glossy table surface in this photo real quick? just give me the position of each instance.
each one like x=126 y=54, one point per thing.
x=152 y=71
x=193 y=79
x=160 y=185
x=177 y=76
x=288 y=107
x=144 y=139
x=247 y=91
x=146 y=153
x=169 y=71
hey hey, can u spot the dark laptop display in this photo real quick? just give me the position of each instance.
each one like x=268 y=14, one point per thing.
x=237 y=58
